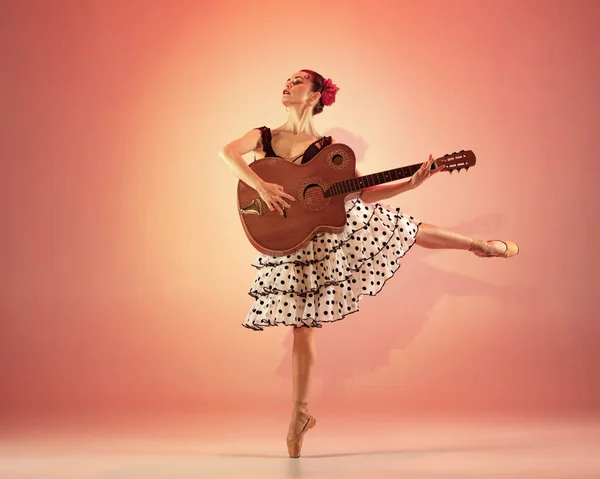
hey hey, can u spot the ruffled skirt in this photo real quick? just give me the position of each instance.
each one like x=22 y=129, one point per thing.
x=324 y=281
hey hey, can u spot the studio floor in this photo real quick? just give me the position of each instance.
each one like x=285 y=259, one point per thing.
x=343 y=446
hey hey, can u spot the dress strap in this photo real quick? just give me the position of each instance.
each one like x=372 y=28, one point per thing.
x=265 y=136
x=313 y=149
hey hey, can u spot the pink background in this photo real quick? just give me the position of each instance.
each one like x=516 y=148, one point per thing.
x=125 y=269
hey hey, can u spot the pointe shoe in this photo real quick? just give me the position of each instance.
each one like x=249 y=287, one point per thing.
x=483 y=249
x=302 y=421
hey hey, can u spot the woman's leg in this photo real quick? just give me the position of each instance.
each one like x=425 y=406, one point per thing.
x=303 y=358
x=434 y=237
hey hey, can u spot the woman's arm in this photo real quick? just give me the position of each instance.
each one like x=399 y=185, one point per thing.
x=373 y=194
x=271 y=193
x=232 y=153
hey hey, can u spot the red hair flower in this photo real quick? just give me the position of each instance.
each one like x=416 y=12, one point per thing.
x=329 y=92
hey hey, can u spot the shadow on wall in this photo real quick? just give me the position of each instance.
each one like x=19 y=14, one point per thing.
x=360 y=344
x=357 y=143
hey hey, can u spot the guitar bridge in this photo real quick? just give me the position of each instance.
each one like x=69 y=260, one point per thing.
x=255 y=207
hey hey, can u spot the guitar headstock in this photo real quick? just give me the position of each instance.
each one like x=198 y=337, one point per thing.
x=457 y=161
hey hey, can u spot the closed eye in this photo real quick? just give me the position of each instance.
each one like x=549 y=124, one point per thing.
x=296 y=80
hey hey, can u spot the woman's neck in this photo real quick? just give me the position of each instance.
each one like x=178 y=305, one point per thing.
x=299 y=122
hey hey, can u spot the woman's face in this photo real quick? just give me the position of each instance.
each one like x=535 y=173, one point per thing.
x=297 y=89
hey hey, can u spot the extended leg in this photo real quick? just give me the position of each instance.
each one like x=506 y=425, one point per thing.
x=434 y=237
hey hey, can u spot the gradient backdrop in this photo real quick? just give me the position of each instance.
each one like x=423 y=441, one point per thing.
x=125 y=270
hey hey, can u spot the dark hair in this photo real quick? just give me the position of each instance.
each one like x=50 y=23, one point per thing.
x=317 y=81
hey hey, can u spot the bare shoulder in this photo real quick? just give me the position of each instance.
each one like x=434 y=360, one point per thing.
x=250 y=141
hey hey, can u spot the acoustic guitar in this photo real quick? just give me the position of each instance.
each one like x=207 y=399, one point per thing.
x=320 y=188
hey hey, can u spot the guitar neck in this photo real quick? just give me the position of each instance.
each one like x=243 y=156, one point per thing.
x=361 y=182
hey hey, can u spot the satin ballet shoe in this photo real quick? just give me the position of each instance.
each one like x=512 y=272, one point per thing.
x=302 y=421
x=484 y=250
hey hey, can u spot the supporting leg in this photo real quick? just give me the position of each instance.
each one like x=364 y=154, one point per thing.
x=303 y=359
x=304 y=355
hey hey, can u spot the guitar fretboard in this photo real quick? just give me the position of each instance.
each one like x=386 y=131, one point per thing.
x=362 y=182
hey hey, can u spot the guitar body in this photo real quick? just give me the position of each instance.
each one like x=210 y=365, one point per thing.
x=313 y=212
x=320 y=188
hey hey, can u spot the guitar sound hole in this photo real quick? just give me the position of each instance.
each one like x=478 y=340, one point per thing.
x=337 y=160
x=314 y=196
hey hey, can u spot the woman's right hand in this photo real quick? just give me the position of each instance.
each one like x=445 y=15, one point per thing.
x=274 y=196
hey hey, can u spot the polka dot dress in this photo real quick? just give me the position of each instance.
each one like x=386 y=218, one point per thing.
x=324 y=281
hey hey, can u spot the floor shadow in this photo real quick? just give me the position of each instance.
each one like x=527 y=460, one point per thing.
x=414 y=451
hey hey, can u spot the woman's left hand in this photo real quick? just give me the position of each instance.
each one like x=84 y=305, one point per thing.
x=424 y=172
